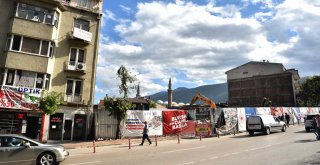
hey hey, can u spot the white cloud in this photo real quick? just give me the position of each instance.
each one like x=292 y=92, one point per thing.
x=195 y=44
x=125 y=9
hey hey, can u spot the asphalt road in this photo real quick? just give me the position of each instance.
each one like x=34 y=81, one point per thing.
x=294 y=147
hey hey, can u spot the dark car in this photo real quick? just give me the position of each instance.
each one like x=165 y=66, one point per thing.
x=309 y=122
x=17 y=149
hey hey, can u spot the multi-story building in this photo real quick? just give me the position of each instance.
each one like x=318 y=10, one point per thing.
x=248 y=84
x=48 y=45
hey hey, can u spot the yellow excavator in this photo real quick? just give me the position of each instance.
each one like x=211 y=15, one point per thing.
x=206 y=100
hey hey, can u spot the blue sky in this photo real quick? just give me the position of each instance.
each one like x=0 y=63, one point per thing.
x=195 y=42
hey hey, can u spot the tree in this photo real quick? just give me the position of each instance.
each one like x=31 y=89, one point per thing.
x=266 y=102
x=310 y=92
x=118 y=109
x=151 y=104
x=125 y=78
x=118 y=106
x=50 y=101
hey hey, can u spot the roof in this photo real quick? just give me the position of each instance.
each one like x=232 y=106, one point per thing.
x=254 y=62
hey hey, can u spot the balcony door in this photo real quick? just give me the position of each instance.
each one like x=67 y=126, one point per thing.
x=76 y=58
x=73 y=91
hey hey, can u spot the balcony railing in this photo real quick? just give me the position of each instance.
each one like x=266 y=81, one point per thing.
x=75 y=98
x=90 y=5
x=75 y=66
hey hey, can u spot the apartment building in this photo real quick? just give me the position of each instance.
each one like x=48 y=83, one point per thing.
x=249 y=83
x=48 y=45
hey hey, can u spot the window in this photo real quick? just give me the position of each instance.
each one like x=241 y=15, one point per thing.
x=30 y=45
x=76 y=56
x=81 y=24
x=12 y=142
x=83 y=3
x=37 y=14
x=20 y=78
x=73 y=90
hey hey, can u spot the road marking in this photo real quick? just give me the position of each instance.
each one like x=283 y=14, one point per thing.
x=203 y=160
x=85 y=163
x=189 y=163
x=215 y=157
x=235 y=153
x=183 y=150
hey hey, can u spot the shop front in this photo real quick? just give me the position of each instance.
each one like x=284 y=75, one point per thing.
x=19 y=113
x=69 y=123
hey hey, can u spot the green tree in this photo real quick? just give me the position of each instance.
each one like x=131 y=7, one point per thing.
x=50 y=101
x=310 y=92
x=125 y=79
x=118 y=109
x=266 y=102
x=152 y=104
x=118 y=106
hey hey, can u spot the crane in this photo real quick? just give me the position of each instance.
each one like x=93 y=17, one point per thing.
x=206 y=100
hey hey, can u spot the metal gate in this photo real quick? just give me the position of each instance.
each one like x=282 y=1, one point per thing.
x=106 y=126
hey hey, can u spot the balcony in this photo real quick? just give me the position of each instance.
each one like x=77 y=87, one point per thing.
x=73 y=99
x=89 y=5
x=81 y=35
x=75 y=66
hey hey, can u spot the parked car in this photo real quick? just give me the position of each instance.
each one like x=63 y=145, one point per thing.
x=17 y=149
x=308 y=123
x=265 y=124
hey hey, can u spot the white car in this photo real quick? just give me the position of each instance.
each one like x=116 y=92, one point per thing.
x=265 y=124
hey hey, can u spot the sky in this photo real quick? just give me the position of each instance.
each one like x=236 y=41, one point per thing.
x=194 y=42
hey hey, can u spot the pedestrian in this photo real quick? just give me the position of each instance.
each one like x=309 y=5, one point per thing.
x=145 y=134
x=317 y=126
x=287 y=116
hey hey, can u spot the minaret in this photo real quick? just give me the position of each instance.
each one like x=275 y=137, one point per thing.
x=138 y=91
x=169 y=94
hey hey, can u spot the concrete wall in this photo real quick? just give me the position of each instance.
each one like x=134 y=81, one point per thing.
x=254 y=69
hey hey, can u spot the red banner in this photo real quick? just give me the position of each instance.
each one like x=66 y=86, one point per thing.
x=175 y=121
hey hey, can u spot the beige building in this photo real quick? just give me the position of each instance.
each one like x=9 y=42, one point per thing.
x=48 y=45
x=249 y=83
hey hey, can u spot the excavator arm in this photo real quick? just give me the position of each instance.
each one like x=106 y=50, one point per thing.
x=206 y=100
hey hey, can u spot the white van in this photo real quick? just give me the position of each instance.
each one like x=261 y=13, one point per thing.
x=264 y=123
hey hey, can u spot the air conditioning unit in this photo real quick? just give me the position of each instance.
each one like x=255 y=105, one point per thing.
x=81 y=66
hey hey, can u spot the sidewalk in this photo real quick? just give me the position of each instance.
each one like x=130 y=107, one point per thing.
x=100 y=143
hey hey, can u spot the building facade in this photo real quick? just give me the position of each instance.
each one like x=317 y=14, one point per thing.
x=48 y=45
x=248 y=84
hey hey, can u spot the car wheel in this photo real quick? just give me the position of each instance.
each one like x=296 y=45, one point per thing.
x=267 y=131
x=251 y=133
x=284 y=128
x=46 y=158
x=308 y=129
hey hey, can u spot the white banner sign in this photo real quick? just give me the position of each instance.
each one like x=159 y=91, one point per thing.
x=133 y=125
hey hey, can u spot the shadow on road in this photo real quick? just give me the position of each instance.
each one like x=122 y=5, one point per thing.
x=303 y=131
x=306 y=141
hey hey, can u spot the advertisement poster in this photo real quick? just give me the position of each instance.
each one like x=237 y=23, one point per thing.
x=203 y=130
x=241 y=119
x=276 y=111
x=250 y=111
x=263 y=111
x=133 y=125
x=174 y=121
x=231 y=118
x=19 y=98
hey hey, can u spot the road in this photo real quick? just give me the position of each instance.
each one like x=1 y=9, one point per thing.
x=294 y=147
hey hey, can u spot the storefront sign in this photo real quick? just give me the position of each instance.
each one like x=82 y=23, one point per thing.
x=19 y=98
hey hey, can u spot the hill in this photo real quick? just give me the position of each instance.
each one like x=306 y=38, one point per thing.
x=216 y=92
